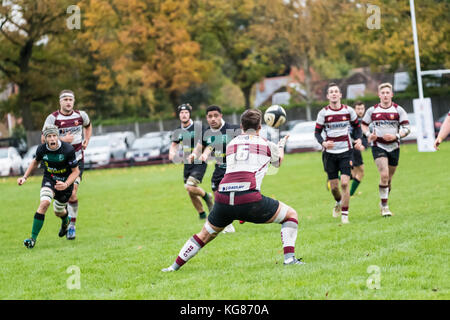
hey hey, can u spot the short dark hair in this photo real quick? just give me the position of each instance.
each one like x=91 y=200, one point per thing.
x=213 y=108
x=251 y=119
x=358 y=103
x=333 y=84
x=66 y=91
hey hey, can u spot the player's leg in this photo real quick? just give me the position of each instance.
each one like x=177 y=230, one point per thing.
x=331 y=167
x=46 y=196
x=217 y=176
x=60 y=209
x=334 y=186
x=383 y=169
x=345 y=163
x=393 y=159
x=194 y=193
x=72 y=209
x=208 y=233
x=358 y=175
x=288 y=218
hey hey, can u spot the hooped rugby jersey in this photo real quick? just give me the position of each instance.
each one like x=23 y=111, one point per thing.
x=248 y=158
x=336 y=125
x=386 y=120
x=73 y=124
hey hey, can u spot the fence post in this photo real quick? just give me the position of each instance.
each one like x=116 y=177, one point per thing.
x=136 y=129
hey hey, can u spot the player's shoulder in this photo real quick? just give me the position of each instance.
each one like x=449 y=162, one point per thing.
x=41 y=148
x=67 y=147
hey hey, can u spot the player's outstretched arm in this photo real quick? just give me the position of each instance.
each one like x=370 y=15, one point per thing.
x=173 y=150
x=205 y=155
x=33 y=165
x=443 y=132
x=87 y=135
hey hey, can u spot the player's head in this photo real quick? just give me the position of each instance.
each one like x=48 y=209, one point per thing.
x=184 y=112
x=51 y=136
x=360 y=108
x=334 y=94
x=66 y=101
x=385 y=93
x=251 y=120
x=214 y=116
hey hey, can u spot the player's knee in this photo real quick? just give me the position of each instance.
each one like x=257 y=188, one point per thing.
x=344 y=184
x=59 y=208
x=43 y=205
x=73 y=197
x=291 y=214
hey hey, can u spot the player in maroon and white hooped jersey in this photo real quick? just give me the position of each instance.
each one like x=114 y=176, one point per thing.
x=239 y=197
x=75 y=128
x=336 y=120
x=390 y=124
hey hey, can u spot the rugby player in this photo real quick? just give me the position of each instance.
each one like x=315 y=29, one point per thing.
x=60 y=172
x=215 y=140
x=336 y=119
x=443 y=132
x=73 y=126
x=188 y=135
x=239 y=197
x=390 y=124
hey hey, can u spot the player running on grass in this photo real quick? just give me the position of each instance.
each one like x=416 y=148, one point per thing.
x=189 y=135
x=61 y=170
x=336 y=119
x=239 y=196
x=443 y=132
x=76 y=129
x=357 y=160
x=390 y=124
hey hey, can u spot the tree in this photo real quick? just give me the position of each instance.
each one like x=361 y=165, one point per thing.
x=27 y=29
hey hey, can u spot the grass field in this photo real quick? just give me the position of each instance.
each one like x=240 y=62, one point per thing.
x=133 y=221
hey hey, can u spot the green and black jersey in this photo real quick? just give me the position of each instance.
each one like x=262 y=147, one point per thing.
x=218 y=140
x=58 y=164
x=188 y=137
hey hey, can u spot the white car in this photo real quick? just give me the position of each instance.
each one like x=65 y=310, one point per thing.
x=301 y=138
x=10 y=162
x=101 y=149
x=26 y=160
x=127 y=137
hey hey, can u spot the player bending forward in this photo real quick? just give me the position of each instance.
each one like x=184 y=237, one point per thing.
x=239 y=196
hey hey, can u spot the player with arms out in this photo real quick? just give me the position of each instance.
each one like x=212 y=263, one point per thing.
x=239 y=197
x=193 y=172
x=73 y=125
x=215 y=140
x=336 y=120
x=61 y=170
x=390 y=124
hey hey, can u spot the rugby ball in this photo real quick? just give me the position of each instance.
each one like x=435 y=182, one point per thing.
x=275 y=116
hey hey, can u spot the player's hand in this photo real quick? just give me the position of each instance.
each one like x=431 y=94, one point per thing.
x=21 y=181
x=60 y=186
x=282 y=141
x=328 y=144
x=389 y=137
x=203 y=158
x=372 y=137
x=67 y=138
x=437 y=142
x=359 y=146
x=191 y=158
x=85 y=144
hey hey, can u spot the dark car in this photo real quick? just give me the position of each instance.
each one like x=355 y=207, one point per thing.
x=438 y=124
x=153 y=148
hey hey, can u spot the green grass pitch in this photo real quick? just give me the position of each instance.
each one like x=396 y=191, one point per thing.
x=133 y=221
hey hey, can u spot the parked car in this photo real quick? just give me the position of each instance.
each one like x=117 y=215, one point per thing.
x=127 y=137
x=10 y=162
x=102 y=149
x=149 y=148
x=301 y=138
x=438 y=124
x=289 y=125
x=412 y=136
x=26 y=160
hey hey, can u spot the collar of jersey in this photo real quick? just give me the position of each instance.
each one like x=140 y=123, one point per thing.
x=185 y=128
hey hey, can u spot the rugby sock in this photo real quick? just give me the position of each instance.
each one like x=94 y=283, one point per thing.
x=65 y=219
x=202 y=215
x=38 y=222
x=289 y=230
x=355 y=184
x=72 y=208
x=345 y=211
x=189 y=250
x=384 y=193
